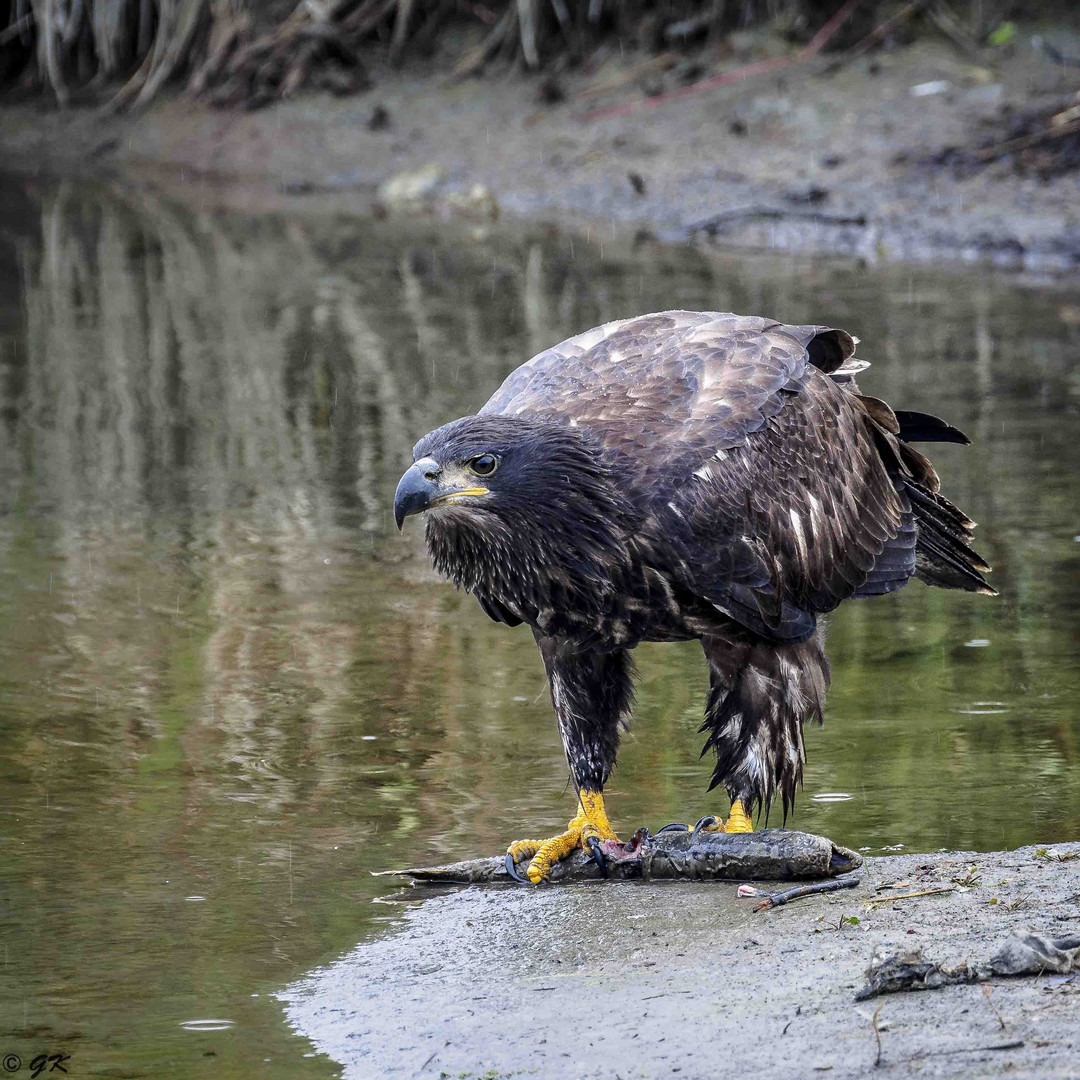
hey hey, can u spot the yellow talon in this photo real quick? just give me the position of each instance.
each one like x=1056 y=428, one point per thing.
x=551 y=851
x=524 y=849
x=738 y=820
x=590 y=820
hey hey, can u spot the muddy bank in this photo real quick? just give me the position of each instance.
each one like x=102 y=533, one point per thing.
x=680 y=978
x=843 y=162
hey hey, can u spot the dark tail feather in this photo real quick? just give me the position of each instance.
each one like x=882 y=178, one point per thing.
x=936 y=509
x=923 y=427
x=943 y=554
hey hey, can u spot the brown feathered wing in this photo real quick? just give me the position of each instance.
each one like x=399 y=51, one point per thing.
x=769 y=488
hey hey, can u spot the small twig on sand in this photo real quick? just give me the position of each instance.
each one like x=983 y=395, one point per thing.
x=948 y=24
x=1016 y=1045
x=760 y=67
x=907 y=896
x=646 y=67
x=776 y=899
x=745 y=214
x=877 y=1035
x=1000 y=1018
x=1000 y=149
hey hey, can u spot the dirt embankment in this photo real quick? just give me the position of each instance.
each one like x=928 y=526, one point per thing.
x=854 y=161
x=681 y=979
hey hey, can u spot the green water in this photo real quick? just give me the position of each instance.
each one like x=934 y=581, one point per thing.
x=228 y=689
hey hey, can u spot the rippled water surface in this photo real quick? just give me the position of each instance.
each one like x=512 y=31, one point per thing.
x=228 y=689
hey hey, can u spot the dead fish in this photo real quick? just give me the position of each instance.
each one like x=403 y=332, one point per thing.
x=674 y=852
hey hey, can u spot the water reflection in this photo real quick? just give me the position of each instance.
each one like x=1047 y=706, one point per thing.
x=224 y=679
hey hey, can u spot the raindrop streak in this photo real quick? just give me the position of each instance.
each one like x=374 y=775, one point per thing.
x=977 y=643
x=207 y=1025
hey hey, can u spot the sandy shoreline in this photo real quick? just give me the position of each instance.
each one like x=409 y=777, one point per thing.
x=830 y=163
x=681 y=978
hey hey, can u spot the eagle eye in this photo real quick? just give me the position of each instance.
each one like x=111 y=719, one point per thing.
x=484 y=464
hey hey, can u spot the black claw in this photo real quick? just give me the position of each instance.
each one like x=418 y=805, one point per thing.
x=708 y=819
x=598 y=855
x=675 y=826
x=511 y=869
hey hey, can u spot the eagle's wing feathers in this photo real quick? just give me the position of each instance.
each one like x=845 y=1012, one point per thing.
x=810 y=491
x=762 y=477
x=641 y=380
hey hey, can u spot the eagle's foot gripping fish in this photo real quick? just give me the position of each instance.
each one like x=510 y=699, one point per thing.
x=738 y=821
x=589 y=829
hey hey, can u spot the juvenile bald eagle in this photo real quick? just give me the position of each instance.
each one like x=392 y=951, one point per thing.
x=686 y=475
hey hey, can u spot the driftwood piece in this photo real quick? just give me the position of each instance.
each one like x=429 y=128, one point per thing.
x=725 y=220
x=1010 y=146
x=770 y=855
x=776 y=899
x=1024 y=953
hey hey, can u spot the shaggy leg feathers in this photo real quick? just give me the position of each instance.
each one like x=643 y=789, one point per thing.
x=760 y=694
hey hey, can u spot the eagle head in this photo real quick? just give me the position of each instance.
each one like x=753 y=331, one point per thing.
x=519 y=511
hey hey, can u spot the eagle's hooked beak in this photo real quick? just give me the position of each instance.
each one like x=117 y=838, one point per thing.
x=423 y=486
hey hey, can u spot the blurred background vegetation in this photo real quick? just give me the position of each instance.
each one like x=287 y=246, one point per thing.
x=251 y=52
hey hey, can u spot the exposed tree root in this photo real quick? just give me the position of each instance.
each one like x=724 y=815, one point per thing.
x=125 y=51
